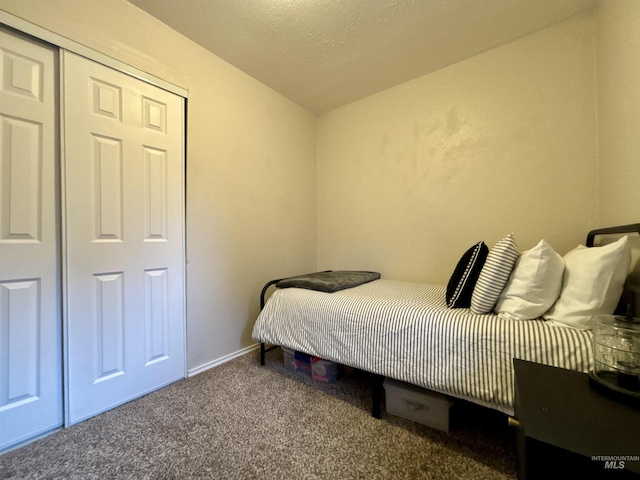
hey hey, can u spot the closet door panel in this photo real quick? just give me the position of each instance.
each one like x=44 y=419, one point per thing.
x=124 y=172
x=30 y=320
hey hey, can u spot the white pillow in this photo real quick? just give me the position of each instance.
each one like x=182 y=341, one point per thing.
x=534 y=285
x=592 y=284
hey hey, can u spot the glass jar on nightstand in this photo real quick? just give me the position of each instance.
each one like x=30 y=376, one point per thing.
x=616 y=354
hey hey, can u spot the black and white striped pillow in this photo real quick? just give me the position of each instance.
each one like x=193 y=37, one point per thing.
x=494 y=275
x=465 y=275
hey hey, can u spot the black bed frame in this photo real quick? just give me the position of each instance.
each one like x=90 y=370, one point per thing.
x=631 y=228
x=377 y=380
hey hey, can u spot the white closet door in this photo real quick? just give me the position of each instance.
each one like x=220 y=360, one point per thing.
x=124 y=173
x=30 y=327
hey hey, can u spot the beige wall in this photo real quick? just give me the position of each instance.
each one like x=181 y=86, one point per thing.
x=503 y=142
x=251 y=167
x=618 y=61
x=407 y=179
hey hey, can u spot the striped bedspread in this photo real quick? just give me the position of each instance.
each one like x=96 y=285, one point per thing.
x=405 y=331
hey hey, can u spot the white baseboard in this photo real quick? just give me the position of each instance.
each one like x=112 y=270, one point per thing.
x=220 y=361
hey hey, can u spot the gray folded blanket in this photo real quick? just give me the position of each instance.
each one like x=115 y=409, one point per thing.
x=329 y=281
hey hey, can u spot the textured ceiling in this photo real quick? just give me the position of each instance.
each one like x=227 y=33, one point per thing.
x=326 y=53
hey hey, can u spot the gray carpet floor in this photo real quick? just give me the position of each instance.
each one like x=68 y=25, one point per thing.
x=243 y=421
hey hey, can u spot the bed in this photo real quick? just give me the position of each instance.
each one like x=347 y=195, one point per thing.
x=408 y=332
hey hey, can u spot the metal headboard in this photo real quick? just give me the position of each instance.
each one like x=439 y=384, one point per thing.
x=632 y=228
x=630 y=299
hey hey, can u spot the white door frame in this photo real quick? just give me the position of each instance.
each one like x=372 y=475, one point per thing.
x=22 y=26
x=66 y=44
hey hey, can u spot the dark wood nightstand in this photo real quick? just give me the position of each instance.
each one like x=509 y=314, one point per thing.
x=568 y=429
